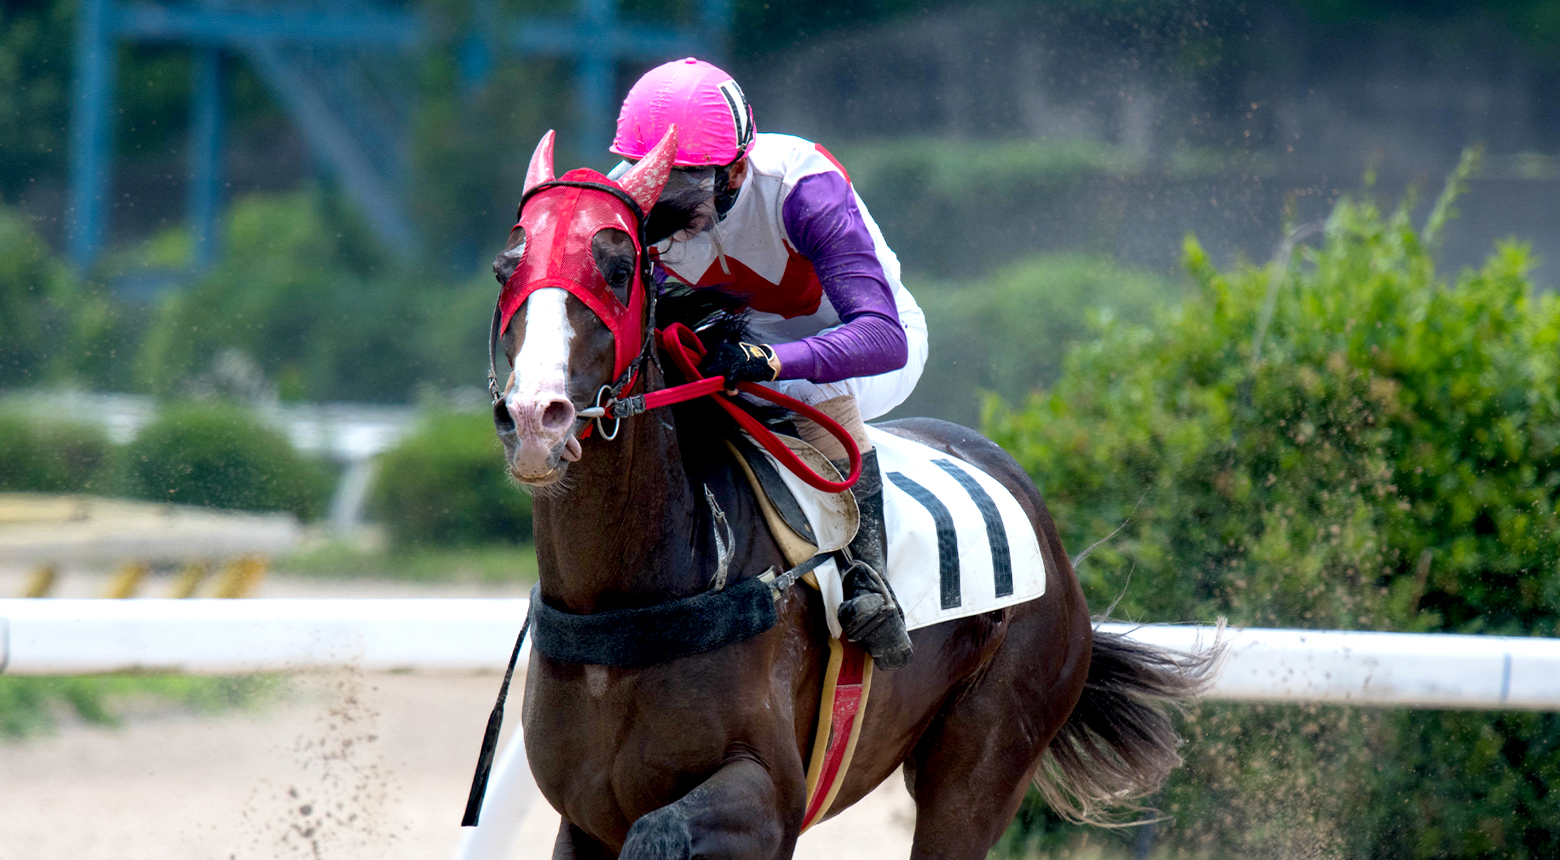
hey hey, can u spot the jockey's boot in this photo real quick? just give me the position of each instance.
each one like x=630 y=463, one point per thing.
x=869 y=615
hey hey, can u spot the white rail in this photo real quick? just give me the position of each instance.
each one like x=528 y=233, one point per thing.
x=212 y=637
x=1415 y=670
x=62 y=637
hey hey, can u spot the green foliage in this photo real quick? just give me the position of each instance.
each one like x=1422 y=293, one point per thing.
x=938 y=199
x=221 y=456
x=1536 y=22
x=29 y=706
x=53 y=328
x=954 y=208
x=43 y=456
x=446 y=484
x=1007 y=333
x=1390 y=461
x=36 y=293
x=35 y=45
x=315 y=309
x=973 y=171
x=471 y=149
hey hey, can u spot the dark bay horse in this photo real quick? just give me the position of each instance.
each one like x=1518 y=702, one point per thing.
x=703 y=755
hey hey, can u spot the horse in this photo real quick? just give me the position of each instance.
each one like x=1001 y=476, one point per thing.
x=703 y=755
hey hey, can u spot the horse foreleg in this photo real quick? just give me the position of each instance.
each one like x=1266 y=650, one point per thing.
x=733 y=814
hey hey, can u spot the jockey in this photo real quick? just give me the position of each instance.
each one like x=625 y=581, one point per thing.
x=772 y=221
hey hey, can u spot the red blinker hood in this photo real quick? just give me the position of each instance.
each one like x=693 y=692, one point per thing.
x=561 y=217
x=559 y=224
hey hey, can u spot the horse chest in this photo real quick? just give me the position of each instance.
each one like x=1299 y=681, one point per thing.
x=606 y=748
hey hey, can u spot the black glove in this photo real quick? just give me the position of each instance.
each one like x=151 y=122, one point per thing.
x=741 y=362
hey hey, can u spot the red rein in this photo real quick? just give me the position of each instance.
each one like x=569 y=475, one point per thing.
x=686 y=350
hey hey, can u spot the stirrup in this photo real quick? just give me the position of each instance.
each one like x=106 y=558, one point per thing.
x=872 y=618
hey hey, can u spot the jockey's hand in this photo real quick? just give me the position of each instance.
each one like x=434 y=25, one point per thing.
x=741 y=362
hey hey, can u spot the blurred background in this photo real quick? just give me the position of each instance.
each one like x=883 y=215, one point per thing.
x=1270 y=283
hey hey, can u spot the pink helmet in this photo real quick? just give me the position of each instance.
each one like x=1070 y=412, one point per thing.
x=714 y=121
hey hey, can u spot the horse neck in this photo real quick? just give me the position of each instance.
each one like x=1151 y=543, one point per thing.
x=619 y=536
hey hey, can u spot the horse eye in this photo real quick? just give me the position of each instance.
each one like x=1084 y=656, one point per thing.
x=621 y=275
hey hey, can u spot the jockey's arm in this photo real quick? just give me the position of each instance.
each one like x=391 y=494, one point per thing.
x=824 y=224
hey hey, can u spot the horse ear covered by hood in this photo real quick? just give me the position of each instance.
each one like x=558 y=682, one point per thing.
x=541 y=168
x=644 y=180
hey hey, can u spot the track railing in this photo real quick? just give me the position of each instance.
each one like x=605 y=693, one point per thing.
x=201 y=636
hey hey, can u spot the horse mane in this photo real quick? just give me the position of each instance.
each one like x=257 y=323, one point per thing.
x=702 y=427
x=704 y=311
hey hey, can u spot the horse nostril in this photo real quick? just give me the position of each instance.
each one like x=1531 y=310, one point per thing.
x=502 y=419
x=516 y=412
x=557 y=415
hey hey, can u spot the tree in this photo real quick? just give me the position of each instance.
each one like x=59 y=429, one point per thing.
x=1336 y=440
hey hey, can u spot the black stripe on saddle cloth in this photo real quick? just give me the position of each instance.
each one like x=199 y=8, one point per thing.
x=996 y=533
x=947 y=538
x=949 y=582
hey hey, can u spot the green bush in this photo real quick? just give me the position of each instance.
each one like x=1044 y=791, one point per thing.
x=324 y=317
x=221 y=456
x=1008 y=332
x=52 y=327
x=42 y=456
x=446 y=484
x=35 y=303
x=1389 y=461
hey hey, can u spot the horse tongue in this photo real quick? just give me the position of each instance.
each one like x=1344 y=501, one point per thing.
x=572 y=450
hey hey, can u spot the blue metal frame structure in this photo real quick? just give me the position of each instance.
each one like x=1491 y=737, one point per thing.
x=306 y=57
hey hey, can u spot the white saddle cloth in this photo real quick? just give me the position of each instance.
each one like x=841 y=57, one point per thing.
x=959 y=544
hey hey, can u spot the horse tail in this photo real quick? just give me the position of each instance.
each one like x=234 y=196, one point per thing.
x=1120 y=742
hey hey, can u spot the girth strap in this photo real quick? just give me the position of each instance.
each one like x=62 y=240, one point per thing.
x=657 y=633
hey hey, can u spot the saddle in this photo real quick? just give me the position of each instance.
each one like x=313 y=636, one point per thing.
x=798 y=538
x=959 y=544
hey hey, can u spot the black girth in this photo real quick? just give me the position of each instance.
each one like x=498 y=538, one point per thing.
x=657 y=633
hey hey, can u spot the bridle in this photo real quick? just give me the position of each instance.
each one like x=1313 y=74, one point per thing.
x=612 y=402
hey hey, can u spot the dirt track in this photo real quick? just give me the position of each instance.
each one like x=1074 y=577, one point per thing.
x=341 y=766
x=344 y=766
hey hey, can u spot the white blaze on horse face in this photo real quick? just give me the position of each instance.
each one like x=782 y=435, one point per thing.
x=539 y=399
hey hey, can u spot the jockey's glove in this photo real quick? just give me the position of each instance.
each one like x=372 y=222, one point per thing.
x=741 y=362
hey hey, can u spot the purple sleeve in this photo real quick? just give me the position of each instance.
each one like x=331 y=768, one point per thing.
x=822 y=219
